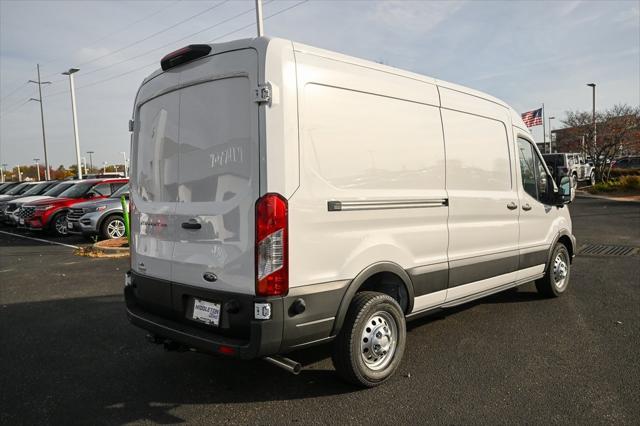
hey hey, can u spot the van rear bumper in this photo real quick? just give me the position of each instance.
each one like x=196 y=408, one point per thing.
x=239 y=335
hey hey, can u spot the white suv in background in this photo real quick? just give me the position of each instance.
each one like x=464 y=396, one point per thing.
x=573 y=165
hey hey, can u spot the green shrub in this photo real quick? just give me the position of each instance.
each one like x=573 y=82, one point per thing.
x=604 y=187
x=622 y=184
x=629 y=183
x=624 y=172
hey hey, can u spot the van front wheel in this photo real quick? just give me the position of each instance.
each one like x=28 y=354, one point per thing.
x=370 y=345
x=556 y=279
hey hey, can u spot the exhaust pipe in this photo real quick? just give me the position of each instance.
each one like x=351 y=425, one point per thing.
x=285 y=363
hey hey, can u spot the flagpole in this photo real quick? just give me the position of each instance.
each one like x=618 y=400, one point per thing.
x=544 y=132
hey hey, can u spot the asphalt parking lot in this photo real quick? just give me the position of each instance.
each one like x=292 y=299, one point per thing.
x=69 y=356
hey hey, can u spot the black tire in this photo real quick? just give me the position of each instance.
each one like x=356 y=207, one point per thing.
x=574 y=181
x=58 y=225
x=550 y=285
x=105 y=231
x=592 y=178
x=348 y=354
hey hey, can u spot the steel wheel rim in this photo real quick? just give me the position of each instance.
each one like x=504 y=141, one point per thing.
x=379 y=340
x=115 y=229
x=61 y=225
x=560 y=270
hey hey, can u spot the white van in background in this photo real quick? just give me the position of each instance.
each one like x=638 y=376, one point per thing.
x=284 y=196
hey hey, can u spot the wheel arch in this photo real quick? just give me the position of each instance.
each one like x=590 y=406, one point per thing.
x=382 y=277
x=567 y=240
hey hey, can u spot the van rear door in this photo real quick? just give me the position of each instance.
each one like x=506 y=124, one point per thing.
x=218 y=179
x=197 y=174
x=154 y=180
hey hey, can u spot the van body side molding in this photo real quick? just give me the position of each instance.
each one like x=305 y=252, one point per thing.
x=337 y=206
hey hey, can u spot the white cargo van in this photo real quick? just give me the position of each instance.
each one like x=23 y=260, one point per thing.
x=284 y=196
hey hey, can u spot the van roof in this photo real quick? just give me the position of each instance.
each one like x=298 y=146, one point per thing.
x=261 y=43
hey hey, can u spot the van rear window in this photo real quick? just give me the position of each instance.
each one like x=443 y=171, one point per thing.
x=156 y=149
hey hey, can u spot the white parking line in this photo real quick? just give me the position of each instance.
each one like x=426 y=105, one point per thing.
x=39 y=239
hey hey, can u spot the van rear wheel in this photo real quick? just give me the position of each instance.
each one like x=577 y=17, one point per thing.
x=370 y=345
x=556 y=279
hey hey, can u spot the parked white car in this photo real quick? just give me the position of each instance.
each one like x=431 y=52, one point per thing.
x=284 y=196
x=573 y=165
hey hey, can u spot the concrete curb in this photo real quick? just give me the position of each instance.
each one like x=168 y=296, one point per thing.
x=98 y=250
x=584 y=194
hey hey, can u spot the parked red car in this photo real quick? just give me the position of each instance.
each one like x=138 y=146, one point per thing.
x=51 y=214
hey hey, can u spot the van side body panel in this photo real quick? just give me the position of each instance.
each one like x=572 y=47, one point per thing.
x=370 y=142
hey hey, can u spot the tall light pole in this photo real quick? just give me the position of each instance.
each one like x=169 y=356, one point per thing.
x=259 y=25
x=44 y=139
x=37 y=167
x=84 y=161
x=124 y=154
x=2 y=170
x=75 y=117
x=593 y=117
x=550 y=135
x=90 y=158
x=104 y=167
x=19 y=173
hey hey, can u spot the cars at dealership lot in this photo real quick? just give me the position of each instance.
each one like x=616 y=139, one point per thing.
x=6 y=186
x=12 y=210
x=17 y=190
x=51 y=214
x=34 y=190
x=313 y=197
x=102 y=217
x=631 y=162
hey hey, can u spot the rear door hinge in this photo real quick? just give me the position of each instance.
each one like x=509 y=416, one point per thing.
x=262 y=93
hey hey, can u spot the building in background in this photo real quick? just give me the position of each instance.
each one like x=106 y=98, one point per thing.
x=576 y=139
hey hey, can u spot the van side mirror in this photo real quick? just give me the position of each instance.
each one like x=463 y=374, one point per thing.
x=566 y=192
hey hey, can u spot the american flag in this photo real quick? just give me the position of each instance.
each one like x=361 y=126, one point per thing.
x=532 y=118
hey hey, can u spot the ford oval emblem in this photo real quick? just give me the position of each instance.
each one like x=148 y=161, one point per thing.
x=210 y=276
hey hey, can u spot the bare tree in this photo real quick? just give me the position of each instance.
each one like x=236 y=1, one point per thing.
x=618 y=133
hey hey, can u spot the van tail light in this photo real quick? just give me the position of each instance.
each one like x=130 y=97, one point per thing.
x=272 y=241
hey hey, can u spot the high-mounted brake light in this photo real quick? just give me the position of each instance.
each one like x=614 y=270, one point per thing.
x=272 y=263
x=186 y=54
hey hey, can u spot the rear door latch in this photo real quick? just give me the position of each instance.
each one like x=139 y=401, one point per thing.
x=263 y=93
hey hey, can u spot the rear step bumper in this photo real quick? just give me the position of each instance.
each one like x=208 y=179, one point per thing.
x=240 y=337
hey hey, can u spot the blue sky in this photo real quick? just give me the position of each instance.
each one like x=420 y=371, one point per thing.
x=524 y=52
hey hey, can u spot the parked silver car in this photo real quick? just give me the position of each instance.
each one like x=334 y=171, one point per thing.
x=101 y=217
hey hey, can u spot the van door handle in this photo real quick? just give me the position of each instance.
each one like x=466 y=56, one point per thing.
x=526 y=207
x=512 y=206
x=192 y=224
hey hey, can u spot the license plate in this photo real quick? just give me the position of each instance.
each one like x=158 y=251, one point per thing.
x=206 y=312
x=21 y=221
x=69 y=225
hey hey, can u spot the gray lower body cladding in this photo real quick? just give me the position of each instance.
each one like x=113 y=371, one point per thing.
x=162 y=308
